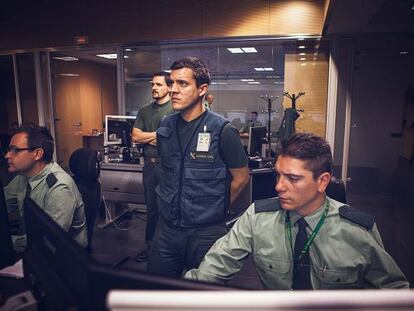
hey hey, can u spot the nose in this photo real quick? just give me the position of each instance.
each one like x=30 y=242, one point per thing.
x=280 y=184
x=173 y=87
x=8 y=155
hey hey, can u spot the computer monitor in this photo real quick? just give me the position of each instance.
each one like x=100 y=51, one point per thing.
x=65 y=276
x=257 y=137
x=7 y=252
x=55 y=265
x=118 y=130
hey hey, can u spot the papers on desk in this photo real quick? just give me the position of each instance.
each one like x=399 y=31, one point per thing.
x=14 y=271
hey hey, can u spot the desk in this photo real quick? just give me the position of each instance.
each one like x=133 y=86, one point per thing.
x=122 y=183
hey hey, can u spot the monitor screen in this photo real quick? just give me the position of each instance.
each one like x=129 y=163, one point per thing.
x=7 y=252
x=118 y=130
x=65 y=276
x=257 y=137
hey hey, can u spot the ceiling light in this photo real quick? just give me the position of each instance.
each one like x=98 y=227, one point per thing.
x=128 y=50
x=167 y=70
x=259 y=69
x=235 y=50
x=301 y=39
x=302 y=53
x=107 y=56
x=68 y=74
x=303 y=58
x=404 y=52
x=246 y=80
x=249 y=50
x=254 y=82
x=218 y=82
x=66 y=58
x=301 y=47
x=126 y=56
x=268 y=69
x=303 y=64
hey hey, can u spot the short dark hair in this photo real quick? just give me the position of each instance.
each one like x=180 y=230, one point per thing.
x=39 y=137
x=255 y=112
x=164 y=74
x=312 y=149
x=200 y=70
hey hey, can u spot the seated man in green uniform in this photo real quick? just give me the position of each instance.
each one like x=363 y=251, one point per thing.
x=30 y=155
x=303 y=239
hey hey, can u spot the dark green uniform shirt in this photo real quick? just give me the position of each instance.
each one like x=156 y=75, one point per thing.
x=148 y=120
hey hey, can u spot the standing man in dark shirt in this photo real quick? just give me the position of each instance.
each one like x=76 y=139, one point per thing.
x=203 y=168
x=146 y=123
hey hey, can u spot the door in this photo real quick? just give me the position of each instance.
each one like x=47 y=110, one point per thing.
x=68 y=125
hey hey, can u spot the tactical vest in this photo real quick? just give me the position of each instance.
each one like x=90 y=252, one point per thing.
x=193 y=185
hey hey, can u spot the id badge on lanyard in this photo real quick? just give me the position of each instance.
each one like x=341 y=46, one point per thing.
x=203 y=141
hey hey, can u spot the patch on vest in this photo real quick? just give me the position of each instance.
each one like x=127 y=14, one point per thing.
x=51 y=180
x=201 y=156
x=363 y=219
x=267 y=205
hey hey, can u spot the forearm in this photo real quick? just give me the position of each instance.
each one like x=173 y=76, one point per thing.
x=238 y=183
x=143 y=137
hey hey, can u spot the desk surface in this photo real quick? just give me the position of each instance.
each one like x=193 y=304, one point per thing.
x=122 y=167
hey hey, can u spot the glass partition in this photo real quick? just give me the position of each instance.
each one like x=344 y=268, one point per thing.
x=242 y=72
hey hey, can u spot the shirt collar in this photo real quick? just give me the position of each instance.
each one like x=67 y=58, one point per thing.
x=311 y=219
x=39 y=177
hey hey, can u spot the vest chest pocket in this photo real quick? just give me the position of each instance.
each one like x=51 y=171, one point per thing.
x=164 y=132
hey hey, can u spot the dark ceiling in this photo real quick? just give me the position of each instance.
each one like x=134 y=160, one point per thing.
x=370 y=17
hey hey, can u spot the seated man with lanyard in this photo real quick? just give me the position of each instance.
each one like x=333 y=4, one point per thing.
x=30 y=155
x=303 y=239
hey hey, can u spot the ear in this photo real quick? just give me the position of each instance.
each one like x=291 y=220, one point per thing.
x=323 y=181
x=202 y=89
x=38 y=154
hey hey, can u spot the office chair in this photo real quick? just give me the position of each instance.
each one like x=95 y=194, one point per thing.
x=85 y=167
x=336 y=190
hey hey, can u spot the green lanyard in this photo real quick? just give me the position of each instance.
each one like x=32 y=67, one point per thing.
x=309 y=242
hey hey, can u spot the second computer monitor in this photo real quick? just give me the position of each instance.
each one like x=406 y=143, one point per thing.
x=257 y=137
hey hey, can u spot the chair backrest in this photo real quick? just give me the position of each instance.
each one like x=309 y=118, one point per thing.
x=85 y=168
x=336 y=190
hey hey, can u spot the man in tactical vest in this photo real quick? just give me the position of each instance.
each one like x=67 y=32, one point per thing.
x=30 y=155
x=303 y=239
x=203 y=168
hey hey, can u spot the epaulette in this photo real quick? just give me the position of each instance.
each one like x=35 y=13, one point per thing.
x=356 y=216
x=51 y=180
x=267 y=205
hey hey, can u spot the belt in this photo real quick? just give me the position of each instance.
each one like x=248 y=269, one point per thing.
x=152 y=160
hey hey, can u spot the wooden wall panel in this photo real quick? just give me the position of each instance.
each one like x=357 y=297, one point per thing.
x=313 y=80
x=166 y=19
x=127 y=22
x=229 y=18
x=296 y=17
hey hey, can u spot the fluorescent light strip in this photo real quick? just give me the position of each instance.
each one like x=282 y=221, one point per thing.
x=268 y=69
x=249 y=50
x=235 y=50
x=107 y=56
x=301 y=47
x=66 y=58
x=246 y=80
x=259 y=69
x=253 y=82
